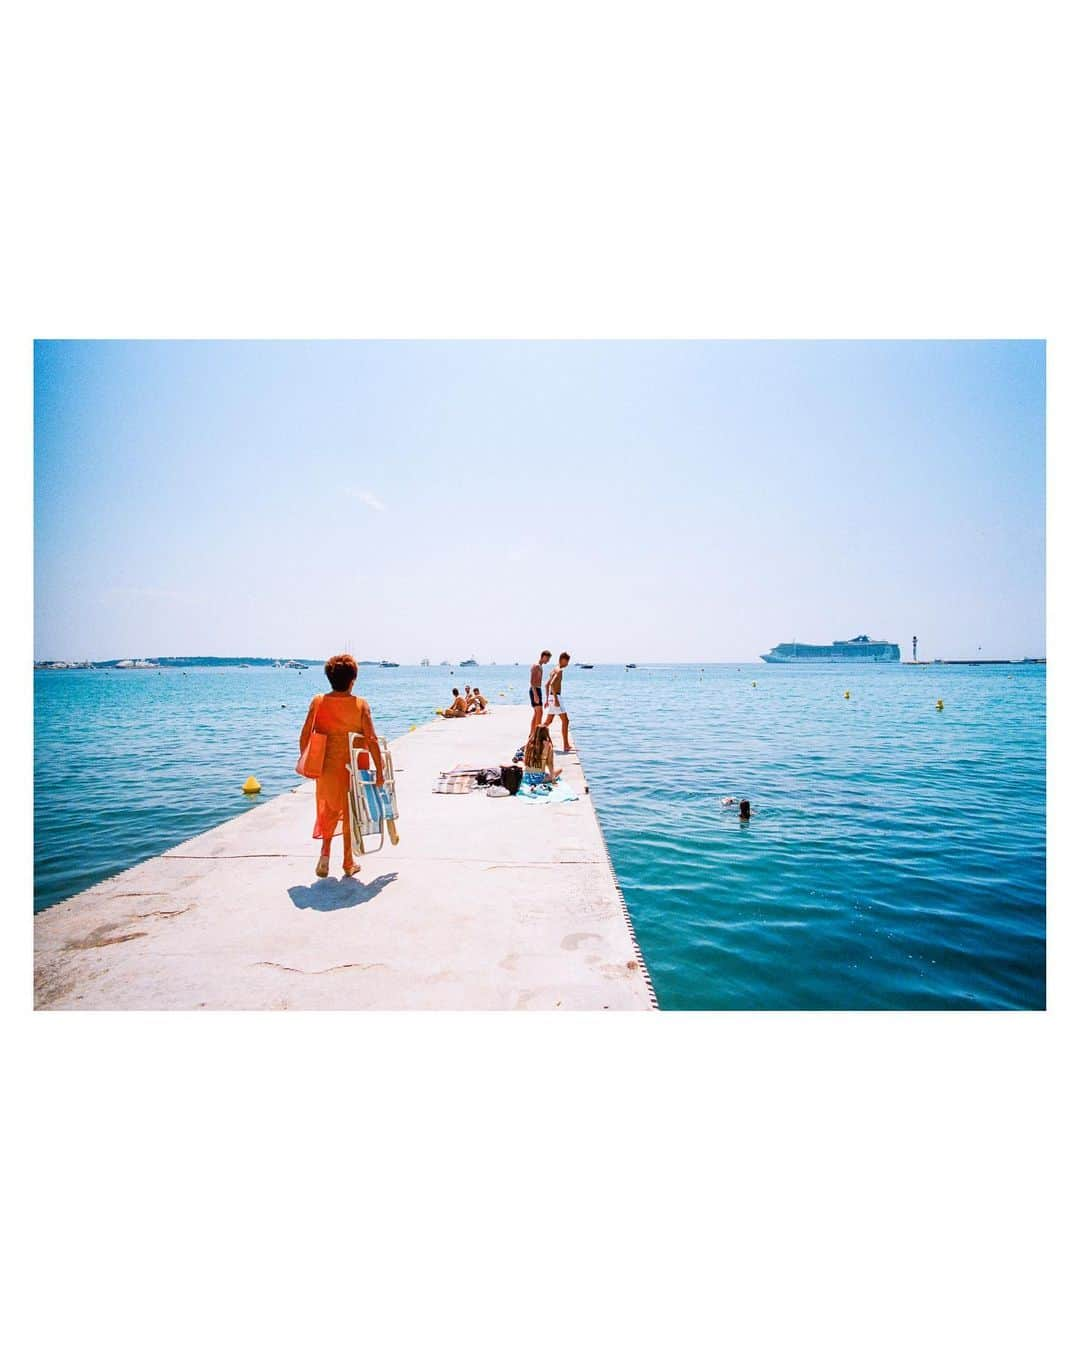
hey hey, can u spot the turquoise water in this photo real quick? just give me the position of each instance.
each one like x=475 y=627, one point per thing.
x=896 y=857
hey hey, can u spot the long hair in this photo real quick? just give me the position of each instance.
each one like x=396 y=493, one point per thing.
x=534 y=748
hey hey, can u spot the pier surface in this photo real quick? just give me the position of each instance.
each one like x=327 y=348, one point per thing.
x=486 y=903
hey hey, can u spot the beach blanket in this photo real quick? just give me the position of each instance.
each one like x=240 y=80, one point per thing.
x=560 y=792
x=464 y=777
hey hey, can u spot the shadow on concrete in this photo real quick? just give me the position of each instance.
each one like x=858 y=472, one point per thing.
x=331 y=893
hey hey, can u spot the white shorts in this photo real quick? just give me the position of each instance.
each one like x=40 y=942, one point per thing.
x=558 y=709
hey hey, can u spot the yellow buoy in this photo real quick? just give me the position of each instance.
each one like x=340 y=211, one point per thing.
x=940 y=704
x=413 y=727
x=847 y=693
x=252 y=785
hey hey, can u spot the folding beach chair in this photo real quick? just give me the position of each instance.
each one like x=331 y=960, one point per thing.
x=372 y=810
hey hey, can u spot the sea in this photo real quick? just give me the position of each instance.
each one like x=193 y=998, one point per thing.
x=895 y=856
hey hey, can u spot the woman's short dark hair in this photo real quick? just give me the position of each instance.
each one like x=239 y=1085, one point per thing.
x=544 y=653
x=564 y=656
x=341 y=670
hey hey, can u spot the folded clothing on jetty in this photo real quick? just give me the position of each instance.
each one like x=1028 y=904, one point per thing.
x=463 y=778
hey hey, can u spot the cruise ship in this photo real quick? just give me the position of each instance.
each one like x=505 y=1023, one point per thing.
x=861 y=648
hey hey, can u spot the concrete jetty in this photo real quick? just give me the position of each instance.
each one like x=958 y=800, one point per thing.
x=486 y=903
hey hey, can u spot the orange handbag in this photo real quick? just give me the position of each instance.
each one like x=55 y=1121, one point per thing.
x=310 y=763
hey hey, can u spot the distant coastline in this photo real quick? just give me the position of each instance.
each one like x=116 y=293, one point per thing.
x=177 y=662
x=160 y=662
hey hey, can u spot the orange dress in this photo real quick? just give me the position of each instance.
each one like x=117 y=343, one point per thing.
x=336 y=715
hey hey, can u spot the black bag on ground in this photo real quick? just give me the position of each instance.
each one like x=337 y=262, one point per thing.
x=511 y=777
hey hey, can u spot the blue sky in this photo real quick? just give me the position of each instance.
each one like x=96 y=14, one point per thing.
x=640 y=501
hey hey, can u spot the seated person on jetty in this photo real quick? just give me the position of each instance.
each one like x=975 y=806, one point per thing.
x=539 y=759
x=456 y=709
x=472 y=702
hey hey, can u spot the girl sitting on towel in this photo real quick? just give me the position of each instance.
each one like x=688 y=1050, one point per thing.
x=539 y=761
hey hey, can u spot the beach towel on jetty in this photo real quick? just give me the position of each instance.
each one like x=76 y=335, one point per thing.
x=559 y=792
x=465 y=777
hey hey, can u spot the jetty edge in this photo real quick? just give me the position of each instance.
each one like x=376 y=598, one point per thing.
x=487 y=903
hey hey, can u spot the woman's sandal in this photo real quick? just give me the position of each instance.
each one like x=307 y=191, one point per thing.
x=352 y=871
x=322 y=867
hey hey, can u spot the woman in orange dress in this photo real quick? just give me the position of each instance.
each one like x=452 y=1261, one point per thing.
x=336 y=714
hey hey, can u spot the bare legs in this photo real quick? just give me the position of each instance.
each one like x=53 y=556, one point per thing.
x=565 y=719
x=348 y=863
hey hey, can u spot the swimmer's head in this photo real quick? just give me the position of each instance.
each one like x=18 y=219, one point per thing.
x=744 y=809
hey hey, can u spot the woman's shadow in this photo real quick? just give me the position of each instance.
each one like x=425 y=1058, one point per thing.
x=331 y=893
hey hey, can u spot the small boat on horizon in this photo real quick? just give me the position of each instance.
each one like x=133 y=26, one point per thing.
x=631 y=665
x=472 y=661
x=389 y=665
x=584 y=665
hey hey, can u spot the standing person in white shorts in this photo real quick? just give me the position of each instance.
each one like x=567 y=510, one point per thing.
x=556 y=704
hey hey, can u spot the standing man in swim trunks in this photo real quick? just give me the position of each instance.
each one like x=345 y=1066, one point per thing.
x=556 y=702
x=536 y=690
